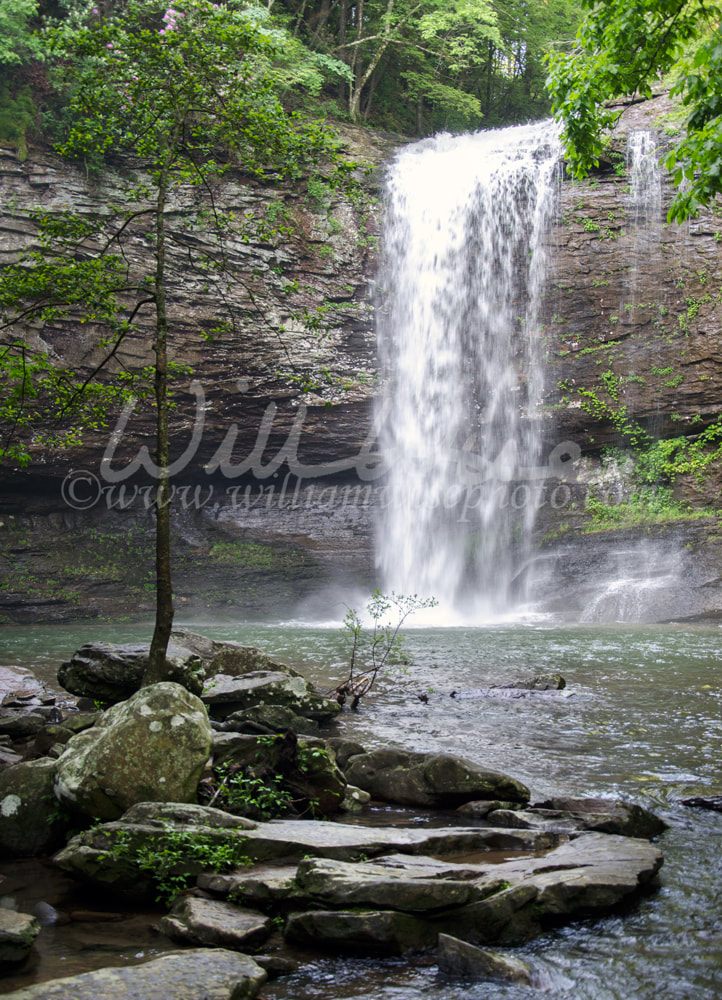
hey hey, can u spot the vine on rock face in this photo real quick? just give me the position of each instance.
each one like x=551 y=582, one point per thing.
x=378 y=646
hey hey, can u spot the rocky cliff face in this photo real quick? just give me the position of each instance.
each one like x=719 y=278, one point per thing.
x=631 y=331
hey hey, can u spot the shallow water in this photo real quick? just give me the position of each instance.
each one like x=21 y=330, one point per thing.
x=640 y=718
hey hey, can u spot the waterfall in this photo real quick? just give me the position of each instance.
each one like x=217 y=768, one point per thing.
x=645 y=178
x=644 y=206
x=459 y=341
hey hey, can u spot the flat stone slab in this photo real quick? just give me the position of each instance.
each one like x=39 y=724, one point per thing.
x=19 y=683
x=348 y=842
x=262 y=884
x=389 y=884
x=199 y=974
x=508 y=902
x=212 y=922
x=568 y=814
x=376 y=931
x=17 y=934
x=587 y=876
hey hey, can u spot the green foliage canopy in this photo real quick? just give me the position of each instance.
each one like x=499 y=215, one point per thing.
x=18 y=42
x=622 y=49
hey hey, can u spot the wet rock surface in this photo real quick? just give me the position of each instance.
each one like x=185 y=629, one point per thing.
x=566 y=814
x=111 y=672
x=17 y=935
x=412 y=890
x=500 y=871
x=29 y=811
x=463 y=960
x=201 y=974
x=439 y=780
x=212 y=923
x=226 y=695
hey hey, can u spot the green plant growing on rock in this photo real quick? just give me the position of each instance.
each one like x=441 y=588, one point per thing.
x=379 y=645
x=174 y=857
x=245 y=794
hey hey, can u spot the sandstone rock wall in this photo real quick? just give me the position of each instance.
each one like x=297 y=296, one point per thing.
x=631 y=316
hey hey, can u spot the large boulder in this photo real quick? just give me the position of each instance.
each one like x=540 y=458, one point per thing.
x=421 y=779
x=110 y=672
x=200 y=974
x=152 y=747
x=31 y=821
x=227 y=657
x=225 y=695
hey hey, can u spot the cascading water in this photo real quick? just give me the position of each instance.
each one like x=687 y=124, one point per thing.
x=460 y=346
x=644 y=203
x=645 y=178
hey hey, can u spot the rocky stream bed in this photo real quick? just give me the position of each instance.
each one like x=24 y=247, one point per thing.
x=469 y=866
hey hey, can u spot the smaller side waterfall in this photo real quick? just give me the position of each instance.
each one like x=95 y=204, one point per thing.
x=645 y=178
x=460 y=346
x=644 y=204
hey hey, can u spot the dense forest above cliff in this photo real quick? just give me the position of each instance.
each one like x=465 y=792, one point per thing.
x=404 y=66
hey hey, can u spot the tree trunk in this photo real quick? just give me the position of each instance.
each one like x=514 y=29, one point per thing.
x=164 y=591
x=489 y=72
x=342 y=23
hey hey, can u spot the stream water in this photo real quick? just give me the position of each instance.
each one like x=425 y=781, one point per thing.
x=640 y=718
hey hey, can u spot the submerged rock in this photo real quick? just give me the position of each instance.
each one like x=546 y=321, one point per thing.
x=421 y=779
x=152 y=747
x=17 y=935
x=542 y=682
x=201 y=974
x=604 y=815
x=459 y=958
x=713 y=802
